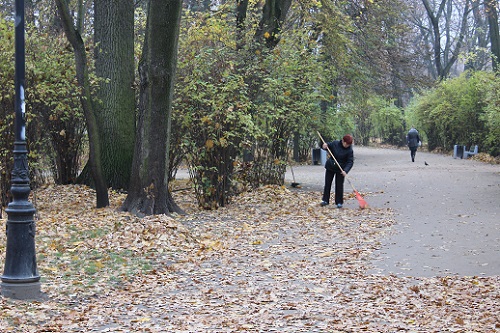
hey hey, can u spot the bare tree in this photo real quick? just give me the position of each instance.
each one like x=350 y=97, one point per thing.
x=447 y=40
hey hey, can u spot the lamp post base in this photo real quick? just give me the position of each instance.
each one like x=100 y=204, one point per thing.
x=22 y=291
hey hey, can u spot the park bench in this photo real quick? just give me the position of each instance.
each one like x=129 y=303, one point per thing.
x=462 y=152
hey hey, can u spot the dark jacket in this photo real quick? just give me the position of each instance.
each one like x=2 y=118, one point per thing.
x=345 y=157
x=412 y=138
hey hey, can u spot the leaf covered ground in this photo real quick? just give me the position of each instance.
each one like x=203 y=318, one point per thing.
x=271 y=261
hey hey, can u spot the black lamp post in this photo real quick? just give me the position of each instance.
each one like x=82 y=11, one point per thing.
x=20 y=279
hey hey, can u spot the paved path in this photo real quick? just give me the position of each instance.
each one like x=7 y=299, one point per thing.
x=448 y=211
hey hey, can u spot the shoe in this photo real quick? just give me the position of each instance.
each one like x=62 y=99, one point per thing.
x=323 y=203
x=339 y=205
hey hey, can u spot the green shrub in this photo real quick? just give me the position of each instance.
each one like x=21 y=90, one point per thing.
x=461 y=111
x=387 y=121
x=55 y=127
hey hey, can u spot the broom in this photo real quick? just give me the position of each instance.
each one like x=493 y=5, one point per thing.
x=294 y=184
x=362 y=203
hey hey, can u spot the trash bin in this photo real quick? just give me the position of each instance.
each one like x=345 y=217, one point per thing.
x=316 y=156
x=323 y=157
x=458 y=151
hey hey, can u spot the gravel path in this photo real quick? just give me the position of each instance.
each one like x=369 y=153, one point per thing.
x=447 y=211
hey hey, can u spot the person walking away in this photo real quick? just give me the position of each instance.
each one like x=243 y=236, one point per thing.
x=413 y=141
x=343 y=152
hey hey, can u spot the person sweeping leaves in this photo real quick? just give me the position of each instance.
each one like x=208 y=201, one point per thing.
x=344 y=155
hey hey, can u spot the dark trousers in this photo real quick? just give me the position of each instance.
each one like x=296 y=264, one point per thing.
x=413 y=152
x=339 y=186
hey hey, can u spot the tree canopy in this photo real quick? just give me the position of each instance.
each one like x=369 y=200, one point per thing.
x=254 y=82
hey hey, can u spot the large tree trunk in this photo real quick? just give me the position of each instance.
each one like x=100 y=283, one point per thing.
x=491 y=11
x=76 y=41
x=114 y=61
x=149 y=194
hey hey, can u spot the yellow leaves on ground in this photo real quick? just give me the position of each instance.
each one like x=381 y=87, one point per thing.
x=272 y=260
x=486 y=158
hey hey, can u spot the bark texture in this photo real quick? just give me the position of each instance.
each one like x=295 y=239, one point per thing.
x=149 y=194
x=114 y=61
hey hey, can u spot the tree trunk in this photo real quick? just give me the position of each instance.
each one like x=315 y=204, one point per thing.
x=273 y=16
x=76 y=41
x=149 y=194
x=491 y=11
x=114 y=61
x=453 y=56
x=241 y=15
x=436 y=33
